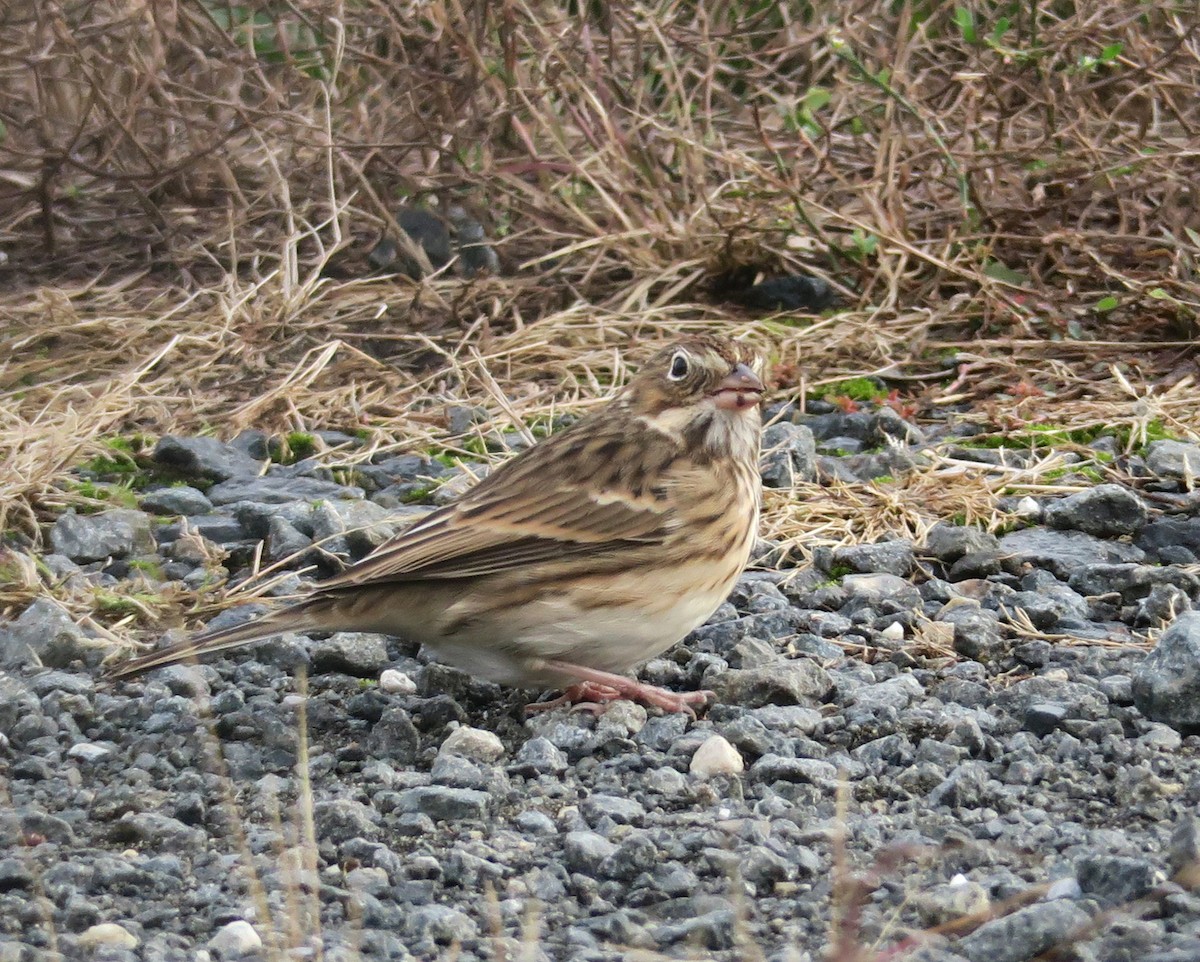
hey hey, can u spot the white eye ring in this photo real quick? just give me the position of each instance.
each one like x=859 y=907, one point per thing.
x=679 y=366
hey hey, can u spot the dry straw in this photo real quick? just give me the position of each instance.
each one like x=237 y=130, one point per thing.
x=1003 y=194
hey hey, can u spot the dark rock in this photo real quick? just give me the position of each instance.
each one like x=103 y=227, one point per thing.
x=1115 y=880
x=538 y=756
x=788 y=455
x=949 y=542
x=1166 y=685
x=1025 y=933
x=1042 y=718
x=341 y=819
x=785 y=683
x=585 y=851
x=94 y=537
x=276 y=490
x=886 y=557
x=1171 y=540
x=1177 y=460
x=445 y=804
x=1106 y=511
x=790 y=292
x=182 y=500
x=1062 y=552
x=44 y=633
x=206 y=458
x=977 y=631
x=357 y=653
x=394 y=737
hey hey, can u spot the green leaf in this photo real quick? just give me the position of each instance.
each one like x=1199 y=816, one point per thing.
x=1111 y=52
x=966 y=23
x=816 y=97
x=1002 y=272
x=1106 y=304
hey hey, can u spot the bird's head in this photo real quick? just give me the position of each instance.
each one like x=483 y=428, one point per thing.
x=704 y=370
x=703 y=388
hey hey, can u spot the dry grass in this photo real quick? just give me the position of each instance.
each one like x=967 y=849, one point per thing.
x=187 y=192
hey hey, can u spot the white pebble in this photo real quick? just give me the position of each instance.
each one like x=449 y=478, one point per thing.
x=473 y=743
x=107 y=934
x=1064 y=888
x=235 y=938
x=1027 y=507
x=893 y=632
x=87 y=751
x=395 y=682
x=717 y=757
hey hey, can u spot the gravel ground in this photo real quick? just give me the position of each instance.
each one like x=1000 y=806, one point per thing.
x=955 y=749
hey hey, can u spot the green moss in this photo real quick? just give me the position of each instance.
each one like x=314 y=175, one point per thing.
x=838 y=572
x=150 y=568
x=292 y=447
x=105 y=495
x=124 y=606
x=857 y=389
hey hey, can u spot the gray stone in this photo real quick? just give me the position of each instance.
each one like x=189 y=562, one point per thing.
x=110 y=534
x=181 y=499
x=888 y=557
x=341 y=819
x=1042 y=718
x=875 y=588
x=1178 y=460
x=394 y=737
x=440 y=924
x=205 y=457
x=1171 y=540
x=538 y=756
x=783 y=683
x=44 y=633
x=1115 y=880
x=1025 y=933
x=442 y=803
x=363 y=525
x=217 y=528
x=357 y=653
x=1183 y=853
x=623 y=811
x=159 y=831
x=285 y=541
x=1106 y=511
x=977 y=631
x=279 y=490
x=585 y=851
x=1166 y=685
x=1062 y=552
x=789 y=454
x=949 y=542
x=1131 y=581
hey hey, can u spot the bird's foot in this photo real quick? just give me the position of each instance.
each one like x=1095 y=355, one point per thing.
x=597 y=689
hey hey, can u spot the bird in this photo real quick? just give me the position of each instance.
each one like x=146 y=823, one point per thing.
x=587 y=554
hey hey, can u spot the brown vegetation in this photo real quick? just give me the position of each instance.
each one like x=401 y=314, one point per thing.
x=1003 y=194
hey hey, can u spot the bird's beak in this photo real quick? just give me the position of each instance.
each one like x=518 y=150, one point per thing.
x=740 y=389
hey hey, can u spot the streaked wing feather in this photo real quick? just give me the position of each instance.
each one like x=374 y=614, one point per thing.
x=480 y=536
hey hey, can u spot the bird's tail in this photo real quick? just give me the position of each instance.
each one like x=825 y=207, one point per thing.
x=292 y=618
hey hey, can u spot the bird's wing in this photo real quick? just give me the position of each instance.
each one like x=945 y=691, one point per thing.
x=539 y=507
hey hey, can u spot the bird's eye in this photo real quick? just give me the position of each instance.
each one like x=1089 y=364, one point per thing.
x=679 y=367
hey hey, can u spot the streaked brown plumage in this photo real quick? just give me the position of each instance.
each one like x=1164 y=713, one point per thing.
x=580 y=558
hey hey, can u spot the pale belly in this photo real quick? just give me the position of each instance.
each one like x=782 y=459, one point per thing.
x=630 y=618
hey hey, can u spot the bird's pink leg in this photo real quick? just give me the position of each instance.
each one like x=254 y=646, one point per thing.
x=596 y=688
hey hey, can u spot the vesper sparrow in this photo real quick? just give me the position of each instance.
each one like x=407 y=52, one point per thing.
x=584 y=556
